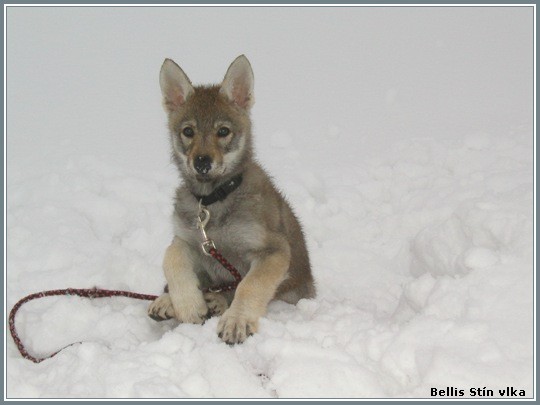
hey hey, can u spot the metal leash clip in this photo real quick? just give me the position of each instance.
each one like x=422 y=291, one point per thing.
x=202 y=220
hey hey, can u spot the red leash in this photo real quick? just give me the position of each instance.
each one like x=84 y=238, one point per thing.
x=102 y=293
x=87 y=293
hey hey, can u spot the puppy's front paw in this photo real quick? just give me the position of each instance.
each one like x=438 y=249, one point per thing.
x=190 y=308
x=234 y=327
x=161 y=308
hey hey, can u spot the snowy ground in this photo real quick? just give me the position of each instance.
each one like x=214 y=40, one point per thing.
x=407 y=154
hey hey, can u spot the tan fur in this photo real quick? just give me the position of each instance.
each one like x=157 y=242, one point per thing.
x=216 y=302
x=254 y=227
x=187 y=301
x=252 y=297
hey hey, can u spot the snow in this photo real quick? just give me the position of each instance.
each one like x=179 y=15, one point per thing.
x=402 y=137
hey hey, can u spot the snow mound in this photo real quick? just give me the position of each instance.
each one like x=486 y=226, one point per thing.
x=422 y=257
x=474 y=237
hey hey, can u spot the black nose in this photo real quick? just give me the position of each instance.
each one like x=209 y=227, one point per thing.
x=203 y=164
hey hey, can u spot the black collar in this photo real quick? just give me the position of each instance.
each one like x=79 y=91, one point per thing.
x=221 y=192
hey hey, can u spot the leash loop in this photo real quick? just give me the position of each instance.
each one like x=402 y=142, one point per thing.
x=80 y=292
x=207 y=247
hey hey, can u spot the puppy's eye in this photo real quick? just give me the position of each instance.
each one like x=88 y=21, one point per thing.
x=188 y=132
x=223 y=132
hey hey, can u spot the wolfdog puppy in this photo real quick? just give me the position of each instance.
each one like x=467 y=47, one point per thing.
x=245 y=216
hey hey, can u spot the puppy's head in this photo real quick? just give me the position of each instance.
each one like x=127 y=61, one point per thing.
x=209 y=126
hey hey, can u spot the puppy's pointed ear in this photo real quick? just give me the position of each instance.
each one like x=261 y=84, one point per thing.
x=237 y=85
x=175 y=85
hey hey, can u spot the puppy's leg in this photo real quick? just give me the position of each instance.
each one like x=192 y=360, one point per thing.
x=184 y=296
x=253 y=295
